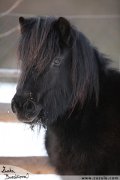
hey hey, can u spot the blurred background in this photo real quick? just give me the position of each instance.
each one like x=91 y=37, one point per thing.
x=99 y=20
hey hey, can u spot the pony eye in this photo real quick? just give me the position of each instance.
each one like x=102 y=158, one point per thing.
x=57 y=61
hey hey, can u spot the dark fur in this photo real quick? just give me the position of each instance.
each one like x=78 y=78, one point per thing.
x=76 y=96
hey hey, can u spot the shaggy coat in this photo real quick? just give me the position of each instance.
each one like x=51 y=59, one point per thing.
x=67 y=86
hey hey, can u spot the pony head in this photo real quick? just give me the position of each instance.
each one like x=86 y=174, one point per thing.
x=58 y=70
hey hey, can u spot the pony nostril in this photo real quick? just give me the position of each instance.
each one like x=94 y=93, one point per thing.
x=29 y=107
x=13 y=106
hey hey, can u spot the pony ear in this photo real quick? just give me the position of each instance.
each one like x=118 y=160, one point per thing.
x=26 y=23
x=21 y=21
x=63 y=27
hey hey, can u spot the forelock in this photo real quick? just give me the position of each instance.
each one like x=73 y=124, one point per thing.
x=39 y=44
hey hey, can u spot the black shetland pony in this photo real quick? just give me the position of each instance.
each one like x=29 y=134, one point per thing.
x=67 y=86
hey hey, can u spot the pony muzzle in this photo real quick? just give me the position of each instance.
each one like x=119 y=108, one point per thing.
x=26 y=110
